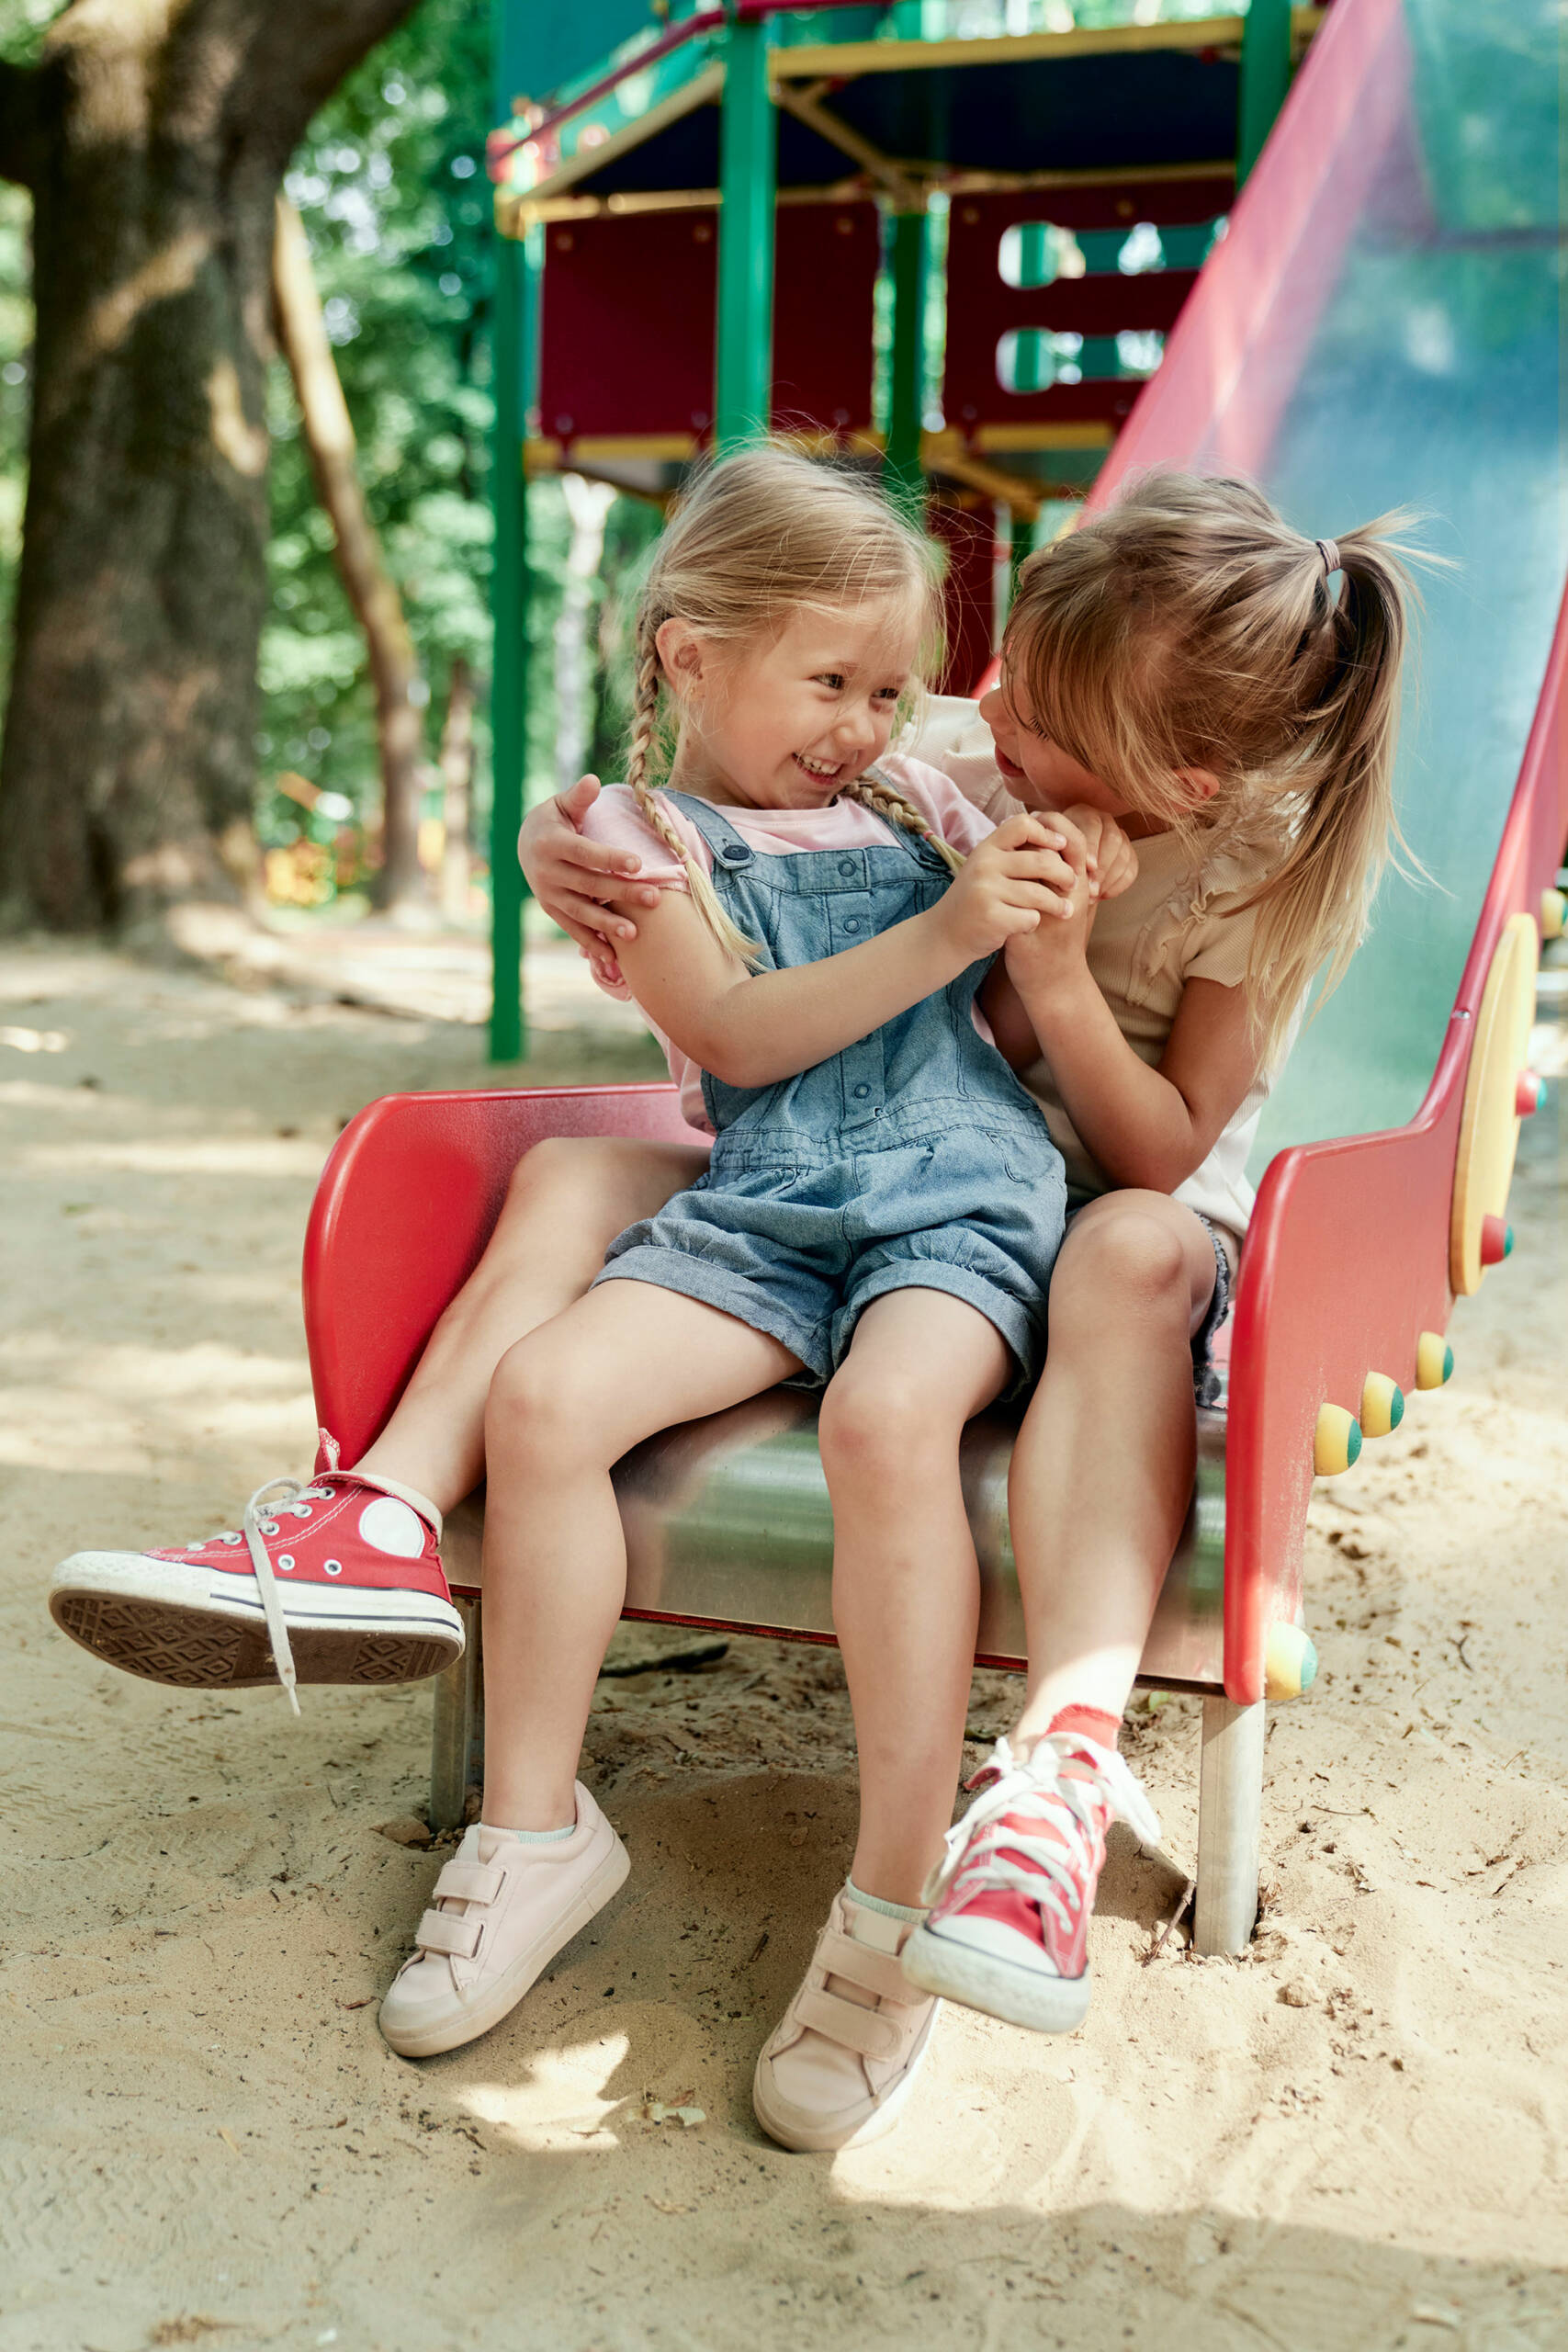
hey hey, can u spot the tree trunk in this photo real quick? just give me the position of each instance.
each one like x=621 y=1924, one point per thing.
x=371 y=590
x=457 y=799
x=153 y=134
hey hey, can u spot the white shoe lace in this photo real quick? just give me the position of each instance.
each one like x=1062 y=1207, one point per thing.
x=1050 y=1781
x=261 y=1519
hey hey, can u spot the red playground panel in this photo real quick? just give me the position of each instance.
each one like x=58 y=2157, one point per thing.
x=627 y=327
x=982 y=307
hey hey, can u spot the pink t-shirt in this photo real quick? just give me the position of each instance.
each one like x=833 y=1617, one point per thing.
x=615 y=819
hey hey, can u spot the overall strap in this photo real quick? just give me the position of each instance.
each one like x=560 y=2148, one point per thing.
x=730 y=850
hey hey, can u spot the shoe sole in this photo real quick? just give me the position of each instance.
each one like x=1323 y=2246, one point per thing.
x=192 y=1628
x=828 y=2139
x=524 y=1973
x=980 y=1981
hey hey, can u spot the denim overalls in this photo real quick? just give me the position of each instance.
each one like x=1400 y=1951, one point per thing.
x=911 y=1161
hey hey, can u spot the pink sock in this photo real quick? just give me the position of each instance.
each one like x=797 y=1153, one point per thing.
x=1086 y=1723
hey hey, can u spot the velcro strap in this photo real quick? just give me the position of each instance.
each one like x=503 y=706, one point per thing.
x=874 y=1972
x=444 y=1932
x=852 y=2028
x=469 y=1883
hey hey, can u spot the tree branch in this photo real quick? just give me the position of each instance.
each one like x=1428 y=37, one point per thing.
x=290 y=59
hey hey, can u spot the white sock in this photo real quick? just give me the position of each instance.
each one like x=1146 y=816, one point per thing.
x=915 y=1913
x=527 y=1837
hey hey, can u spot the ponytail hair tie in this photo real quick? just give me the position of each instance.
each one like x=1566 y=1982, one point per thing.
x=1329 y=551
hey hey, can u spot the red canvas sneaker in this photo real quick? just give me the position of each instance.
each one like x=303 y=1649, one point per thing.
x=1007 y=1931
x=338 y=1581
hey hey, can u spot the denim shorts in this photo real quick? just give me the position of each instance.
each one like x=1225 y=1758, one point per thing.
x=799 y=1248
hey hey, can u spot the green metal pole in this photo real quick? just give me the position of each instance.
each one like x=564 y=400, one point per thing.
x=509 y=659
x=901 y=469
x=1265 y=78
x=748 y=189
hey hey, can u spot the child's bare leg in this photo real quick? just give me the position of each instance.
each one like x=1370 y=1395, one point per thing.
x=568 y=1199
x=564 y=1405
x=906 y=1587
x=1103 y=1470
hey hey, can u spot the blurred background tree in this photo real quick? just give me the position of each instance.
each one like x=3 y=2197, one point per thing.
x=390 y=183
x=152 y=141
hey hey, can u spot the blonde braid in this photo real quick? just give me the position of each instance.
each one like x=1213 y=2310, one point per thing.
x=644 y=720
x=874 y=792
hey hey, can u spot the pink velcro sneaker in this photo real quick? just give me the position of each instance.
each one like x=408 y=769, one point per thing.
x=337 y=1581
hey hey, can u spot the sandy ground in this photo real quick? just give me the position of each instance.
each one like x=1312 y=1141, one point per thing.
x=1356 y=2136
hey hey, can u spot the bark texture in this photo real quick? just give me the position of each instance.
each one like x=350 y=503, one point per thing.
x=369 y=587
x=154 y=136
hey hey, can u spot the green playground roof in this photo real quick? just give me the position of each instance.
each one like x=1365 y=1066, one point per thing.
x=918 y=93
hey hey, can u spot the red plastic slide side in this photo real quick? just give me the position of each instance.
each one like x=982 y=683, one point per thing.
x=402 y=1212
x=1347 y=1258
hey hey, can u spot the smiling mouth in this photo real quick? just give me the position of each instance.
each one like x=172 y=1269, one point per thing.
x=820 y=769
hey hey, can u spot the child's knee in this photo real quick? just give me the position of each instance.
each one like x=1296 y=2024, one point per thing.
x=540 y=1403
x=1134 y=1258
x=884 y=1429
x=552 y=1172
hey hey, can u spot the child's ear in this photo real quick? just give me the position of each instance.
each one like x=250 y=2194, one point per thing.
x=1199 y=784
x=680 y=651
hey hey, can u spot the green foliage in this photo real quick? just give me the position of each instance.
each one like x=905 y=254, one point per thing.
x=391 y=186
x=392 y=189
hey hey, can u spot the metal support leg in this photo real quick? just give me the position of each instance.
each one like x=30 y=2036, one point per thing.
x=901 y=470
x=747 y=188
x=1265 y=78
x=1230 y=1821
x=456 y=1747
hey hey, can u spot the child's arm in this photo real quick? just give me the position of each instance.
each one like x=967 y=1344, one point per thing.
x=751 y=1029
x=1146 y=1127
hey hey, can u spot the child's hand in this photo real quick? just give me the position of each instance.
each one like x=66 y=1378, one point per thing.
x=1112 y=861
x=583 y=886
x=1018 y=879
x=1053 y=951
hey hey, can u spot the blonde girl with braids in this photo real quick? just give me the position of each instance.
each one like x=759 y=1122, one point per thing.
x=878 y=1217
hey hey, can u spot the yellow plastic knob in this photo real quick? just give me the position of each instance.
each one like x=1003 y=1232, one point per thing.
x=1383 y=1404
x=1553 y=914
x=1434 y=1360
x=1290 y=1662
x=1337 y=1441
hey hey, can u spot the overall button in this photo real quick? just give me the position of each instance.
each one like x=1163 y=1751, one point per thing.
x=853 y=923
x=861 y=1092
x=846 y=866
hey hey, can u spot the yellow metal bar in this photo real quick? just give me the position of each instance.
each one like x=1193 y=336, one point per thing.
x=944 y=453
x=679 y=199
x=1005 y=439
x=1103 y=175
x=849 y=143
x=845 y=61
